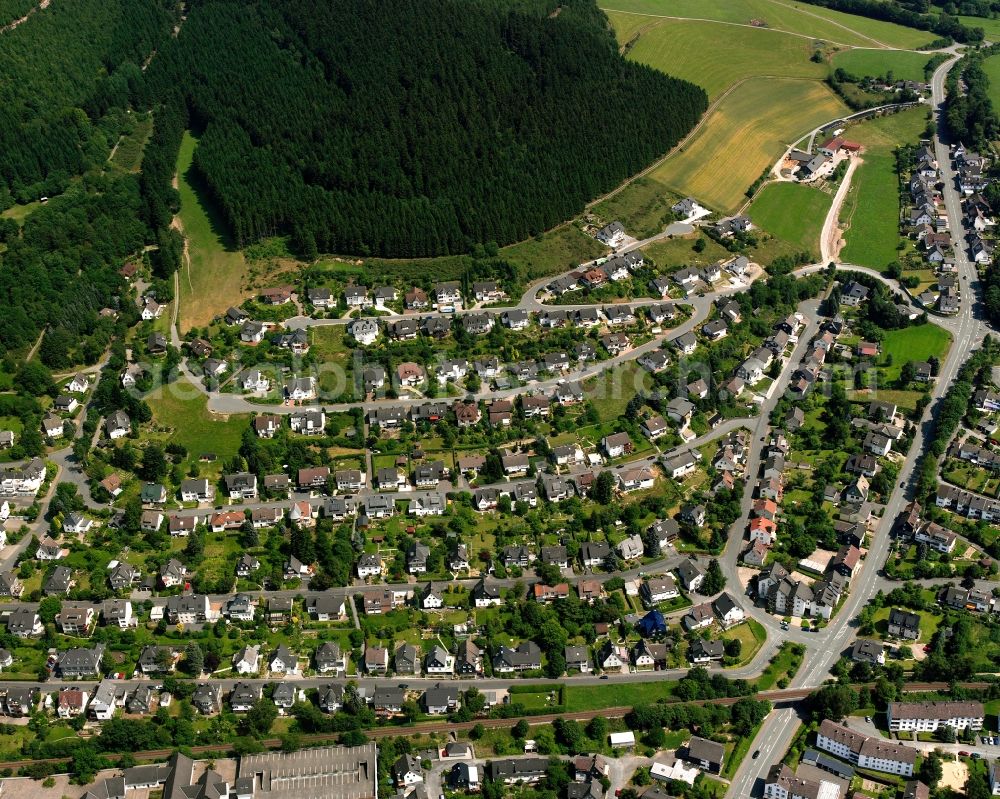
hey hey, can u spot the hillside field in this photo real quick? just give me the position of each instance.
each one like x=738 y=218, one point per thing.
x=793 y=212
x=991 y=26
x=553 y=252
x=903 y=65
x=743 y=136
x=871 y=207
x=754 y=119
x=716 y=56
x=213 y=280
x=807 y=20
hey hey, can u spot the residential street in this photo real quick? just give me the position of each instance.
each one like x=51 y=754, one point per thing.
x=968 y=331
x=824 y=647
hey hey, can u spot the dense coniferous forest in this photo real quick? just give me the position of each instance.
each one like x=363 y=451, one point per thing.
x=63 y=269
x=70 y=73
x=11 y=10
x=409 y=128
x=64 y=70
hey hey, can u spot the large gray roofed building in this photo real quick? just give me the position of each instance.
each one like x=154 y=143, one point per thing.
x=333 y=771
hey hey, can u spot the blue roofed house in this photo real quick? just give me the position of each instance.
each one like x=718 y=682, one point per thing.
x=652 y=624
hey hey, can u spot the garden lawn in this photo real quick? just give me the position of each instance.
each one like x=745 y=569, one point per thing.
x=917 y=343
x=903 y=65
x=794 y=212
x=929 y=623
x=183 y=410
x=781 y=15
x=871 y=208
x=213 y=279
x=611 y=694
x=751 y=635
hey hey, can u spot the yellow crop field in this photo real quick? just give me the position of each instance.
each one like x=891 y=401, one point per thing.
x=742 y=137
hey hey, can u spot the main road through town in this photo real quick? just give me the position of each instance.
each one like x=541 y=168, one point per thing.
x=968 y=331
x=823 y=647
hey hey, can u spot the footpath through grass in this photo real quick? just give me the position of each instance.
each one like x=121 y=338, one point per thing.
x=214 y=279
x=132 y=144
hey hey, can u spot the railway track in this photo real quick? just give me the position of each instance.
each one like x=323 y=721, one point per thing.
x=783 y=696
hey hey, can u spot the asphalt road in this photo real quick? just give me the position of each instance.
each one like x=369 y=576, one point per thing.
x=826 y=647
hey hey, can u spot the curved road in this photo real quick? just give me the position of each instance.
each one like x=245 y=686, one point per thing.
x=825 y=647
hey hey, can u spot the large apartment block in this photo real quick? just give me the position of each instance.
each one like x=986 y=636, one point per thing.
x=930 y=716
x=782 y=783
x=871 y=753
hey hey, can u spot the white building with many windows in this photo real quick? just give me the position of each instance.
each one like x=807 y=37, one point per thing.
x=876 y=754
x=931 y=716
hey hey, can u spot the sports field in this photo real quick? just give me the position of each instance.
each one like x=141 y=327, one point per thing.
x=793 y=212
x=903 y=65
x=745 y=134
x=716 y=56
x=871 y=208
x=785 y=15
x=213 y=279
